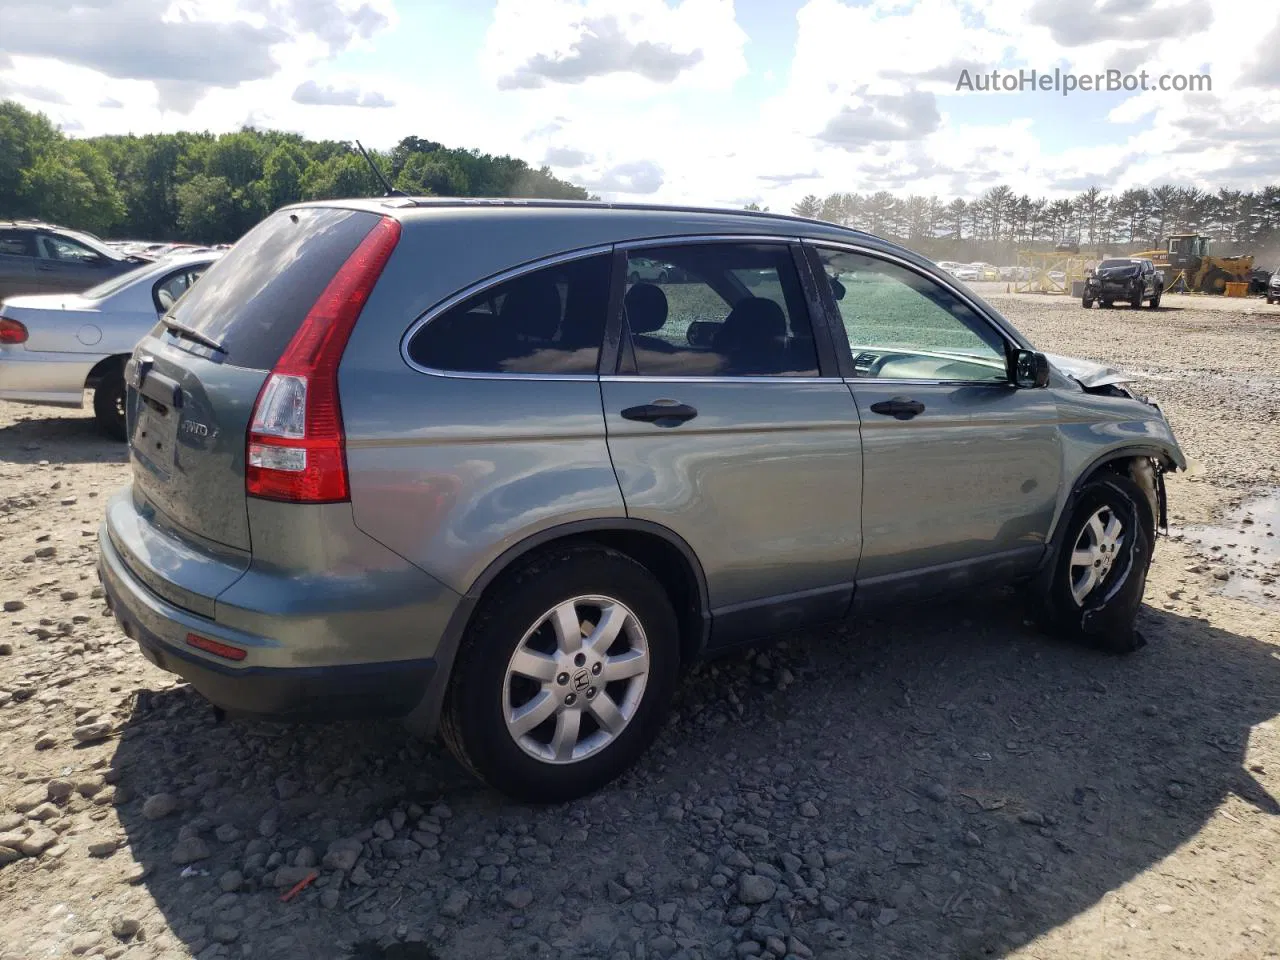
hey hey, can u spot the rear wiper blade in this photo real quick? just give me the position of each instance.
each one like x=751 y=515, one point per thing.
x=182 y=330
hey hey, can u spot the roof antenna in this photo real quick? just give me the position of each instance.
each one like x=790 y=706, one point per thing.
x=382 y=177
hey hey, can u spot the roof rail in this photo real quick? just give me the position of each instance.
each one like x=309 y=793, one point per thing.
x=403 y=202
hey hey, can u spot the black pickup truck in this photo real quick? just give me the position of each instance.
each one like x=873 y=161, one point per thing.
x=1130 y=279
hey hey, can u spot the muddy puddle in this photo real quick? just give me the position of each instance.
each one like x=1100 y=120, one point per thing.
x=1243 y=551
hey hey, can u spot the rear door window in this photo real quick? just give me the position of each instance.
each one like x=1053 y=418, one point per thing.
x=717 y=310
x=16 y=243
x=253 y=300
x=547 y=321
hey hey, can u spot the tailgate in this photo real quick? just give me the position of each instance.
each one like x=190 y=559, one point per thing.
x=194 y=380
x=188 y=416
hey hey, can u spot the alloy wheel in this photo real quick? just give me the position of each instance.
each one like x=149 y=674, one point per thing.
x=1095 y=552
x=576 y=679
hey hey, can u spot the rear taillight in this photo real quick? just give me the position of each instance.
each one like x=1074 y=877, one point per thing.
x=296 y=446
x=11 y=331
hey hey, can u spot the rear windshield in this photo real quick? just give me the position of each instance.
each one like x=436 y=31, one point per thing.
x=118 y=282
x=253 y=300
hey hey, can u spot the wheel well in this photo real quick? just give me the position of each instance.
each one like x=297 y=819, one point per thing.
x=104 y=367
x=662 y=558
x=1143 y=470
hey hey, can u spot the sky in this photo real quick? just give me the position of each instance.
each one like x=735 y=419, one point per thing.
x=722 y=102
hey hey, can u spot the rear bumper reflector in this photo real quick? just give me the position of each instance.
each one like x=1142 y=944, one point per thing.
x=224 y=650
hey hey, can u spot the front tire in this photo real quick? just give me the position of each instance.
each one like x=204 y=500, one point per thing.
x=108 y=404
x=1091 y=589
x=1155 y=301
x=1086 y=302
x=564 y=677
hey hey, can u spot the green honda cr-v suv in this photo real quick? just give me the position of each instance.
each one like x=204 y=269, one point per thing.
x=505 y=468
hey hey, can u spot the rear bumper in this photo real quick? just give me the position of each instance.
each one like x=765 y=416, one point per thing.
x=38 y=377
x=330 y=690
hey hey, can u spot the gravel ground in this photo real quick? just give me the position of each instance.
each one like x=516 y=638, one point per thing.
x=941 y=783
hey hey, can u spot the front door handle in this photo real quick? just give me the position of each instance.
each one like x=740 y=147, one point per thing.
x=663 y=413
x=900 y=408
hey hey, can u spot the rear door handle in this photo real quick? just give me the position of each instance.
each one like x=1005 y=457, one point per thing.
x=900 y=408
x=664 y=413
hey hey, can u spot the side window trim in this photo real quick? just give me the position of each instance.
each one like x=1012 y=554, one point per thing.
x=488 y=283
x=617 y=337
x=828 y=366
x=844 y=352
x=820 y=319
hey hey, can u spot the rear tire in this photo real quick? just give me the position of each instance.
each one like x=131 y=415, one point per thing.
x=515 y=666
x=108 y=404
x=1091 y=588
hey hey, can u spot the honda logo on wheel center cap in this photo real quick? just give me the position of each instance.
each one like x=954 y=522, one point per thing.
x=581 y=680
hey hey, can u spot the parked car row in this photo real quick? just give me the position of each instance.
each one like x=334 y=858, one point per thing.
x=54 y=346
x=513 y=497
x=154 y=251
x=38 y=257
x=972 y=271
x=72 y=307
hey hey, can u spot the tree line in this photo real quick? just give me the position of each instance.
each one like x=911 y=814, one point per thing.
x=1000 y=221
x=211 y=189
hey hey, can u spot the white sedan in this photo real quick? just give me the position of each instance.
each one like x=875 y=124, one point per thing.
x=54 y=346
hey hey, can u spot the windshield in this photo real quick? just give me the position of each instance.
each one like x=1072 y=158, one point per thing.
x=94 y=244
x=1118 y=263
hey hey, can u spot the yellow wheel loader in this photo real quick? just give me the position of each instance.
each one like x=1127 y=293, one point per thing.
x=1188 y=268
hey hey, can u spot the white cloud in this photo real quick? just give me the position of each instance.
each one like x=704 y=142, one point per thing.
x=566 y=157
x=532 y=44
x=1077 y=24
x=188 y=47
x=30 y=91
x=324 y=95
x=877 y=118
x=638 y=176
x=651 y=98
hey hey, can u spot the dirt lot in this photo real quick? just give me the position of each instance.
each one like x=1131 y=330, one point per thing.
x=942 y=783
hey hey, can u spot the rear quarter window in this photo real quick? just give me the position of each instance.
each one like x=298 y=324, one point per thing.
x=253 y=300
x=547 y=321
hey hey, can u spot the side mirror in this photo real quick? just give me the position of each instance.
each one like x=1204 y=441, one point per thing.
x=1028 y=369
x=837 y=289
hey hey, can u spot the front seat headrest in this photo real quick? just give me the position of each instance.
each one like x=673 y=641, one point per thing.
x=646 y=307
